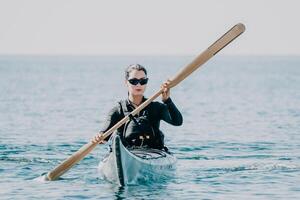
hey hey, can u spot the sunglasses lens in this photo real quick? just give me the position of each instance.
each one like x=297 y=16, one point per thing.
x=134 y=81
x=143 y=81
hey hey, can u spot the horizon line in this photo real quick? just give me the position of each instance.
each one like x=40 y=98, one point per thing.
x=137 y=55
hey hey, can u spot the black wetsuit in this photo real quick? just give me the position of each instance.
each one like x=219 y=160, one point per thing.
x=157 y=111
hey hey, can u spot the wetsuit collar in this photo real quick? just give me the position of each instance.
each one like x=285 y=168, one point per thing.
x=128 y=102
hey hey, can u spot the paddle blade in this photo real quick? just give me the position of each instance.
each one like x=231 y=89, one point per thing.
x=69 y=162
x=223 y=41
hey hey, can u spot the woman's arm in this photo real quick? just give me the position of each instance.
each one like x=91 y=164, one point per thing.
x=170 y=113
x=111 y=119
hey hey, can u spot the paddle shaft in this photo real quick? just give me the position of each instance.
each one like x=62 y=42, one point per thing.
x=233 y=33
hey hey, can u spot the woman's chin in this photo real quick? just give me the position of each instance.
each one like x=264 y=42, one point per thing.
x=138 y=93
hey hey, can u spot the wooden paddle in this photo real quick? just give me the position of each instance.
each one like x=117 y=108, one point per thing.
x=233 y=33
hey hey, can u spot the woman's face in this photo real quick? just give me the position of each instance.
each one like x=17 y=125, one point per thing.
x=137 y=89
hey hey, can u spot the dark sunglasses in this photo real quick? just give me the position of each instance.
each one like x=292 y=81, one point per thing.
x=135 y=81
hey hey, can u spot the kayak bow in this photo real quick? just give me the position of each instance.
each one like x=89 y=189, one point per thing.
x=130 y=166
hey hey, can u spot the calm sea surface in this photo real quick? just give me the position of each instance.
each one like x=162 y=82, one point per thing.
x=240 y=138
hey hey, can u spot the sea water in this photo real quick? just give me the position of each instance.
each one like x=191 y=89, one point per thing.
x=240 y=138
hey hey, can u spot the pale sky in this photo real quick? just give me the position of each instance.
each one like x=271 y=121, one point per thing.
x=153 y=27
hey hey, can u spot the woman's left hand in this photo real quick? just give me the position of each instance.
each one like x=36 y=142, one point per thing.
x=166 y=92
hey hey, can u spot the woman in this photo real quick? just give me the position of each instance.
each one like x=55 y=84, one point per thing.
x=143 y=129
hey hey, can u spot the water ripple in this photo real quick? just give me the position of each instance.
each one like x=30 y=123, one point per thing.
x=239 y=140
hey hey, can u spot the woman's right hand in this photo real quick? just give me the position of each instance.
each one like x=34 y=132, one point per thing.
x=98 y=139
x=166 y=90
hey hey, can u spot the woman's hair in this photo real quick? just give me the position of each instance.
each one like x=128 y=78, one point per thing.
x=132 y=67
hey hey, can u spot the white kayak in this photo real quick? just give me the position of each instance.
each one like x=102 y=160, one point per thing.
x=130 y=166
